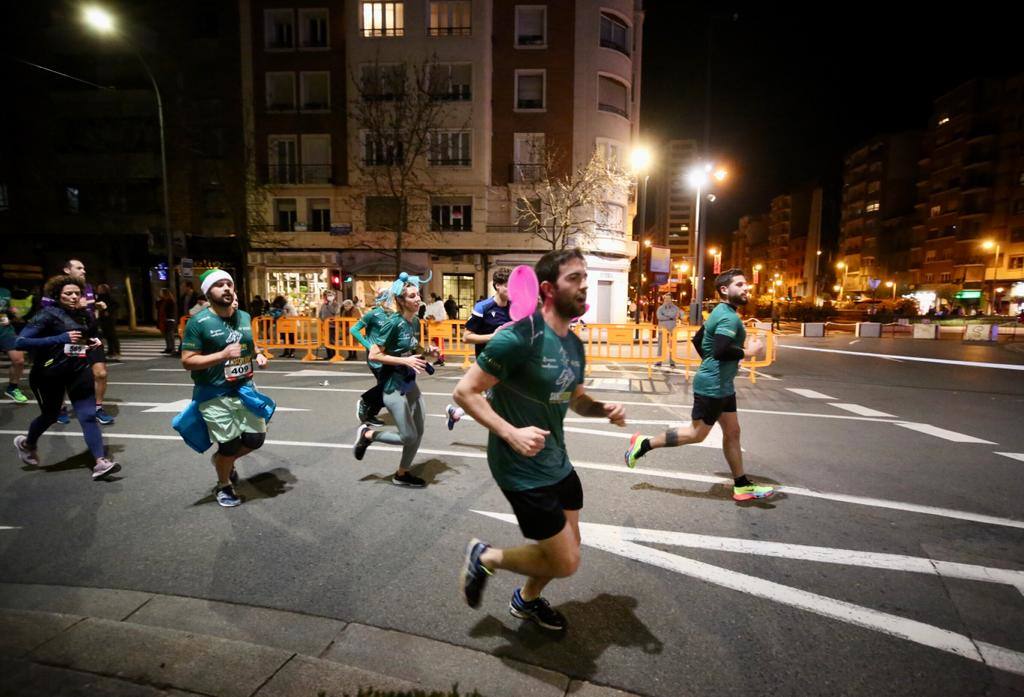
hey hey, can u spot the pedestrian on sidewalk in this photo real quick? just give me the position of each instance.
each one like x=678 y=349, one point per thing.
x=8 y=339
x=349 y=311
x=166 y=320
x=534 y=370
x=59 y=337
x=226 y=409
x=403 y=358
x=668 y=313
x=108 y=319
x=329 y=309
x=714 y=393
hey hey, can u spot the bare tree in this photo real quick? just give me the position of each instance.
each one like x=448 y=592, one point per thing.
x=404 y=114
x=563 y=205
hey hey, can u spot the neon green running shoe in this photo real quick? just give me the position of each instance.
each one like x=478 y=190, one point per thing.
x=746 y=493
x=16 y=394
x=632 y=453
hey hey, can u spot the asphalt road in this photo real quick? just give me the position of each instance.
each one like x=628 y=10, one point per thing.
x=892 y=562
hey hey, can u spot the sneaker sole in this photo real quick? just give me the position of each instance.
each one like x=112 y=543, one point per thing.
x=519 y=614
x=356 y=452
x=112 y=470
x=464 y=573
x=229 y=505
x=22 y=455
x=751 y=497
x=407 y=485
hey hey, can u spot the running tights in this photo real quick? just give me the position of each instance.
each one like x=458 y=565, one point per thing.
x=49 y=393
x=407 y=411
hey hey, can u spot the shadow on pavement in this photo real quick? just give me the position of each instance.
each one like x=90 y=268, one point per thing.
x=720 y=492
x=475 y=446
x=594 y=626
x=265 y=485
x=428 y=471
x=83 y=460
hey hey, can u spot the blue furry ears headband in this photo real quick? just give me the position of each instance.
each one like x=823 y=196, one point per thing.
x=404 y=278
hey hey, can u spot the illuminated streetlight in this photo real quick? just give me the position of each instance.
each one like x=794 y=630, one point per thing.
x=640 y=162
x=98 y=18
x=647 y=243
x=890 y=284
x=989 y=245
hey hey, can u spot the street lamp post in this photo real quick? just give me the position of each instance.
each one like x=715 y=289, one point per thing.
x=817 y=260
x=698 y=178
x=640 y=162
x=988 y=245
x=103 y=22
x=841 y=265
x=891 y=284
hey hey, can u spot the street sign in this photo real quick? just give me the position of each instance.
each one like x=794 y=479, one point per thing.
x=968 y=294
x=186 y=267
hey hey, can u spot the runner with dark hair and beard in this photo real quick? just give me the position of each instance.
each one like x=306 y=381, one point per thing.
x=534 y=372
x=714 y=395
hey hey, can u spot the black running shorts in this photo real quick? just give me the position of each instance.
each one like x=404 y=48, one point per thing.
x=708 y=409
x=96 y=355
x=541 y=511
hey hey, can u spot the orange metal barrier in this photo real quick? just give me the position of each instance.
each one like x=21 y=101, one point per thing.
x=337 y=336
x=611 y=343
x=288 y=333
x=684 y=353
x=447 y=335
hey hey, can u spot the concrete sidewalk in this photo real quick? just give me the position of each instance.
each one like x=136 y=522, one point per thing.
x=94 y=641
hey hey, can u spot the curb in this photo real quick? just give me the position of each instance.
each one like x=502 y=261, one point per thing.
x=138 y=640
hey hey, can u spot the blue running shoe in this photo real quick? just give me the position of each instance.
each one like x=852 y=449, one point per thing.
x=63 y=417
x=473 y=576
x=103 y=417
x=227 y=497
x=539 y=611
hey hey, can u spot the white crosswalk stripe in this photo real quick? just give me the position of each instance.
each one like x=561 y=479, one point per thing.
x=131 y=350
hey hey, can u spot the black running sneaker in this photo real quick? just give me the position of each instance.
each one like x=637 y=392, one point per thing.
x=473 y=576
x=408 y=479
x=538 y=610
x=362 y=442
x=373 y=420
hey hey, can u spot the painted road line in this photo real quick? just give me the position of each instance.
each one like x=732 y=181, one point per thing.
x=918 y=359
x=175 y=407
x=859 y=410
x=9 y=527
x=825 y=555
x=286 y=373
x=810 y=394
x=700 y=478
x=832 y=608
x=831 y=496
x=1015 y=456
x=942 y=433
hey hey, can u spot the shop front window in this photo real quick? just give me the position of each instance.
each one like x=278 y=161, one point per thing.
x=462 y=287
x=302 y=288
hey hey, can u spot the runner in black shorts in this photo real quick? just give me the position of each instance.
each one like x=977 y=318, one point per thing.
x=534 y=370
x=714 y=395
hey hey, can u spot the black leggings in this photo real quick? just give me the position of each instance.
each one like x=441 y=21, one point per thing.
x=373 y=398
x=81 y=389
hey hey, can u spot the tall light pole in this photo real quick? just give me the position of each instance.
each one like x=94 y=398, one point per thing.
x=700 y=178
x=891 y=284
x=640 y=164
x=989 y=245
x=103 y=22
x=841 y=266
x=817 y=260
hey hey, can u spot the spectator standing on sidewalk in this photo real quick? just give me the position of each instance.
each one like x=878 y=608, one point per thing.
x=668 y=314
x=165 y=320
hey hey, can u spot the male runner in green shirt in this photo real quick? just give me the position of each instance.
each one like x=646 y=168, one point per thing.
x=534 y=371
x=714 y=395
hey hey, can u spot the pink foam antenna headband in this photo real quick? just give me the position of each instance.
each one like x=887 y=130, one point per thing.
x=523 y=290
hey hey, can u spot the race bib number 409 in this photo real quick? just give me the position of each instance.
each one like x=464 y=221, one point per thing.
x=238 y=368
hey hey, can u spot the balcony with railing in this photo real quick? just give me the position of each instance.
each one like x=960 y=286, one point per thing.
x=299 y=174
x=526 y=172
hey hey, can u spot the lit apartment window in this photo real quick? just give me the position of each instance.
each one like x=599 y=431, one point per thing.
x=282 y=159
x=313 y=28
x=285 y=214
x=614 y=33
x=451 y=82
x=929 y=277
x=945 y=277
x=382 y=82
x=316 y=91
x=1017 y=262
x=936 y=211
x=610 y=218
x=383 y=19
x=450 y=148
x=528 y=157
x=319 y=214
x=453 y=214
x=530 y=90
x=279 y=29
x=280 y=91
x=610 y=151
x=452 y=18
x=316 y=158
x=531 y=26
x=943 y=120
x=873 y=207
x=929 y=255
x=612 y=96
x=379 y=150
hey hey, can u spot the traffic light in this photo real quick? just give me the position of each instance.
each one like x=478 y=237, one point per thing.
x=336 y=280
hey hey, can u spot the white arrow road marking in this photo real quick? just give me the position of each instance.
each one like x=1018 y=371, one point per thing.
x=8 y=527
x=618 y=541
x=859 y=410
x=1015 y=456
x=175 y=407
x=918 y=359
x=942 y=433
x=810 y=394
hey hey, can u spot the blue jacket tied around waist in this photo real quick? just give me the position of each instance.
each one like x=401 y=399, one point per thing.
x=190 y=424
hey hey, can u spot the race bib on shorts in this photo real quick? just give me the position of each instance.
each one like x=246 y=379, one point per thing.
x=238 y=368
x=75 y=350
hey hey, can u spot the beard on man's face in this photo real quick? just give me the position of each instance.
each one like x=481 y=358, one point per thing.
x=222 y=298
x=738 y=297
x=570 y=305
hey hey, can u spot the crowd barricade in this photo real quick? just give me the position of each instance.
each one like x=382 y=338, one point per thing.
x=447 y=335
x=181 y=326
x=288 y=333
x=336 y=335
x=613 y=343
x=684 y=353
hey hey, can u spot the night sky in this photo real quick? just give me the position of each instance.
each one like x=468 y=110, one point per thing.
x=793 y=89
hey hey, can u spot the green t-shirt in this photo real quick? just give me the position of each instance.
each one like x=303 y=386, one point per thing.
x=714 y=378
x=538 y=373
x=399 y=337
x=6 y=329
x=206 y=332
x=377 y=321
